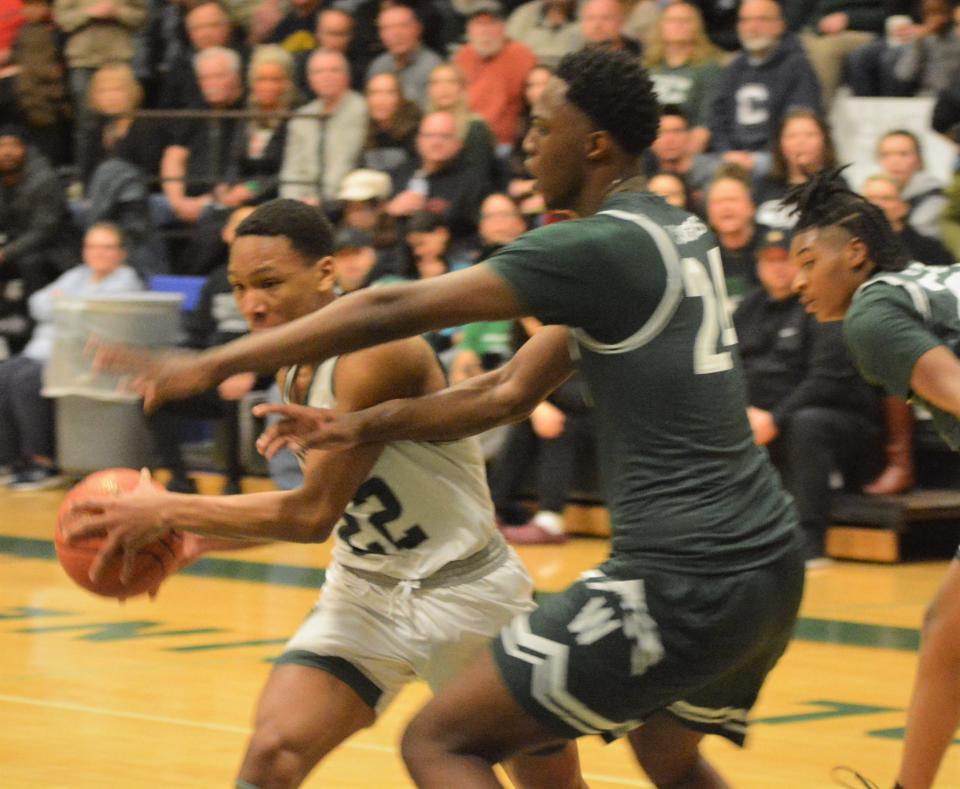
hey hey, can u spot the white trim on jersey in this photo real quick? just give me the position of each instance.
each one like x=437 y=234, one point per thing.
x=918 y=294
x=672 y=292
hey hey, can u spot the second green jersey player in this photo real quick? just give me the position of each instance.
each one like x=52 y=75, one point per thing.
x=902 y=325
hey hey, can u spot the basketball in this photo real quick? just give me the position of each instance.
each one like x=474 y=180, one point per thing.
x=153 y=563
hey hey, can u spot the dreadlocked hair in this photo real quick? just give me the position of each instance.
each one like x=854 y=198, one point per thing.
x=826 y=201
x=614 y=90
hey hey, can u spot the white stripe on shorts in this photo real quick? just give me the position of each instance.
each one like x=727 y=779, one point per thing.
x=549 y=684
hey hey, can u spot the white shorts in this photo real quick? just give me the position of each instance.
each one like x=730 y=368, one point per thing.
x=377 y=638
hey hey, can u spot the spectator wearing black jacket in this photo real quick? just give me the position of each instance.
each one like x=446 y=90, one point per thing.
x=808 y=404
x=37 y=240
x=442 y=181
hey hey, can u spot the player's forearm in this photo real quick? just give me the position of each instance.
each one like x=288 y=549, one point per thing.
x=498 y=397
x=444 y=416
x=360 y=320
x=279 y=515
x=936 y=378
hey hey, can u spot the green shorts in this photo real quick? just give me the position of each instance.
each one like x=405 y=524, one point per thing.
x=609 y=652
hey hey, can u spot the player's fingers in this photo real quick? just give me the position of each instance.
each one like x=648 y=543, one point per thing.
x=289 y=425
x=292 y=443
x=83 y=527
x=130 y=551
x=149 y=393
x=264 y=409
x=113 y=357
x=280 y=430
x=110 y=548
x=81 y=521
x=146 y=481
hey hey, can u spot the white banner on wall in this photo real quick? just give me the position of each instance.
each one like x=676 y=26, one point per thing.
x=858 y=123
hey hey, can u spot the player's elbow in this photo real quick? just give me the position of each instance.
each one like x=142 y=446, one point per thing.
x=309 y=521
x=318 y=525
x=513 y=402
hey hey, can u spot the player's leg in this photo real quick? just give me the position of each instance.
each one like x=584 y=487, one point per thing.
x=303 y=714
x=935 y=705
x=470 y=726
x=555 y=766
x=670 y=755
x=473 y=613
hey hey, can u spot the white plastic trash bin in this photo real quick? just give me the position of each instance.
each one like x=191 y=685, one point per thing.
x=98 y=424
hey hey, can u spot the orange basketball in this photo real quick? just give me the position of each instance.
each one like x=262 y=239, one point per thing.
x=154 y=562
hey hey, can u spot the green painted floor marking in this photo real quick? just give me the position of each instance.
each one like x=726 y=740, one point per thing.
x=119 y=631
x=824 y=631
x=26 y=612
x=229 y=645
x=896 y=734
x=833 y=709
x=259 y=572
x=832 y=631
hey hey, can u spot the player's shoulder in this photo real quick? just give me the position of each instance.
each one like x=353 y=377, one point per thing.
x=397 y=369
x=876 y=308
x=898 y=288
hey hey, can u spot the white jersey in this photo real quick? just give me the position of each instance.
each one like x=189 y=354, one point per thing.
x=425 y=504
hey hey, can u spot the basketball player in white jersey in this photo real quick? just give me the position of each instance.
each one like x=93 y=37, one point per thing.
x=421 y=579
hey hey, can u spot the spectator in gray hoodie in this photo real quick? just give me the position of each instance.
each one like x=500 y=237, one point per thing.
x=758 y=87
x=900 y=157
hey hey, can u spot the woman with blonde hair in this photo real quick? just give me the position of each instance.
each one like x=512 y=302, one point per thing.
x=113 y=97
x=447 y=91
x=684 y=66
x=121 y=164
x=256 y=150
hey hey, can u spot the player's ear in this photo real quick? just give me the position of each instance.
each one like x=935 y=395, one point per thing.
x=856 y=253
x=599 y=145
x=325 y=273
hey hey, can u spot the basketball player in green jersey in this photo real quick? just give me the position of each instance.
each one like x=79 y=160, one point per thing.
x=673 y=636
x=901 y=322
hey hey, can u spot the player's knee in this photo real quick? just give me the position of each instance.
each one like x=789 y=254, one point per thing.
x=667 y=770
x=418 y=742
x=274 y=758
x=556 y=766
x=941 y=632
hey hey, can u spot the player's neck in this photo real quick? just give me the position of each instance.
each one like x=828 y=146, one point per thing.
x=607 y=183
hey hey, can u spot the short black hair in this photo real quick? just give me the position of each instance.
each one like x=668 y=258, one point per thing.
x=674 y=111
x=614 y=90
x=424 y=222
x=306 y=227
x=826 y=201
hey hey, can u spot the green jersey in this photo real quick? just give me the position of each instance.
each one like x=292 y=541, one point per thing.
x=640 y=284
x=894 y=319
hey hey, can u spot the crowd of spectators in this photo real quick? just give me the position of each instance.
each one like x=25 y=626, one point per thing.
x=401 y=118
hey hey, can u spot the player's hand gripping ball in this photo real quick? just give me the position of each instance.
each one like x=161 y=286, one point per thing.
x=153 y=563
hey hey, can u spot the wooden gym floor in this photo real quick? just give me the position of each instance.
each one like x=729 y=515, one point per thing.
x=96 y=694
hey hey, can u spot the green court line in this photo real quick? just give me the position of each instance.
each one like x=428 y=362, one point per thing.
x=824 y=631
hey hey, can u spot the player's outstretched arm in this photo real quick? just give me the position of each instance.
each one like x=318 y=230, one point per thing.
x=936 y=378
x=306 y=514
x=360 y=320
x=504 y=395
